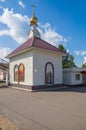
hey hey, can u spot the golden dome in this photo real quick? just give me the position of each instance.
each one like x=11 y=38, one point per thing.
x=33 y=20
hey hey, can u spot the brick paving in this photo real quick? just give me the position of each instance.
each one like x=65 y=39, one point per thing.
x=5 y=124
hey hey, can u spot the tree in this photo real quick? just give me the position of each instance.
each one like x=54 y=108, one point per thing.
x=68 y=60
x=61 y=47
x=84 y=65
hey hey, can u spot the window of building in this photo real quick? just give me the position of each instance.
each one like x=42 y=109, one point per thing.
x=16 y=73
x=77 y=76
x=21 y=72
x=49 y=73
x=49 y=77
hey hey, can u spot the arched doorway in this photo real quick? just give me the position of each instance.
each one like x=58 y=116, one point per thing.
x=16 y=73
x=49 y=73
x=19 y=73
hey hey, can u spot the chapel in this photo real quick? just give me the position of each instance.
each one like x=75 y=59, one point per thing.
x=35 y=64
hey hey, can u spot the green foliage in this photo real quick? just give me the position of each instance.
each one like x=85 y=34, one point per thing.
x=68 y=60
x=61 y=47
x=3 y=85
x=84 y=65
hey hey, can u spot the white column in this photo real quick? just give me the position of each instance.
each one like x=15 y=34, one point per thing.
x=7 y=74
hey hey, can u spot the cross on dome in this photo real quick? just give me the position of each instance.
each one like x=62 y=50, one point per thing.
x=34 y=32
x=33 y=9
x=33 y=19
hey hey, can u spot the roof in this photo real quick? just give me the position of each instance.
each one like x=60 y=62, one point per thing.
x=4 y=66
x=34 y=42
x=74 y=69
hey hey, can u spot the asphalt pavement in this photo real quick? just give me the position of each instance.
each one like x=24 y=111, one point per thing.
x=60 y=109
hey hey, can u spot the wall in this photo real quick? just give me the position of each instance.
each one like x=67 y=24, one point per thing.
x=2 y=75
x=40 y=58
x=26 y=59
x=67 y=78
x=73 y=79
x=34 y=62
x=84 y=78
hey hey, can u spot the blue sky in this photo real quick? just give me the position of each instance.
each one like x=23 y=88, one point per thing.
x=60 y=21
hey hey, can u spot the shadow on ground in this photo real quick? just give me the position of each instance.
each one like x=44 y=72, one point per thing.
x=80 y=89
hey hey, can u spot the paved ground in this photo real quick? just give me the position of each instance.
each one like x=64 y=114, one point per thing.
x=5 y=124
x=63 y=109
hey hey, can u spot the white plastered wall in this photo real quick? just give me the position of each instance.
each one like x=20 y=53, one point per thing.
x=73 y=78
x=70 y=79
x=40 y=58
x=27 y=59
x=67 y=78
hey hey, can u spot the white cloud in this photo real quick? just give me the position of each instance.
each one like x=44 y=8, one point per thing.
x=4 y=52
x=4 y=32
x=18 y=28
x=81 y=53
x=77 y=52
x=84 y=60
x=67 y=50
x=17 y=25
x=21 y=4
x=49 y=34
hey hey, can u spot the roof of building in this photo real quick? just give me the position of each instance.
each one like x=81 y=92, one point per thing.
x=4 y=65
x=35 y=42
x=74 y=69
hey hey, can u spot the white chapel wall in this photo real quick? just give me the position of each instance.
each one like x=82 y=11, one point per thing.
x=40 y=58
x=26 y=59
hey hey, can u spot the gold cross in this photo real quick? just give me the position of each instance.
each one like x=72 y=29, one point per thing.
x=33 y=9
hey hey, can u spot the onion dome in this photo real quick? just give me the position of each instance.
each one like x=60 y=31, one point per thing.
x=34 y=32
x=33 y=20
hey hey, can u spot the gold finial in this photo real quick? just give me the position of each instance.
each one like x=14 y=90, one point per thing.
x=33 y=19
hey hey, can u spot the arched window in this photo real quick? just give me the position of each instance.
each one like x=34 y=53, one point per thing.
x=21 y=72
x=49 y=73
x=16 y=73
